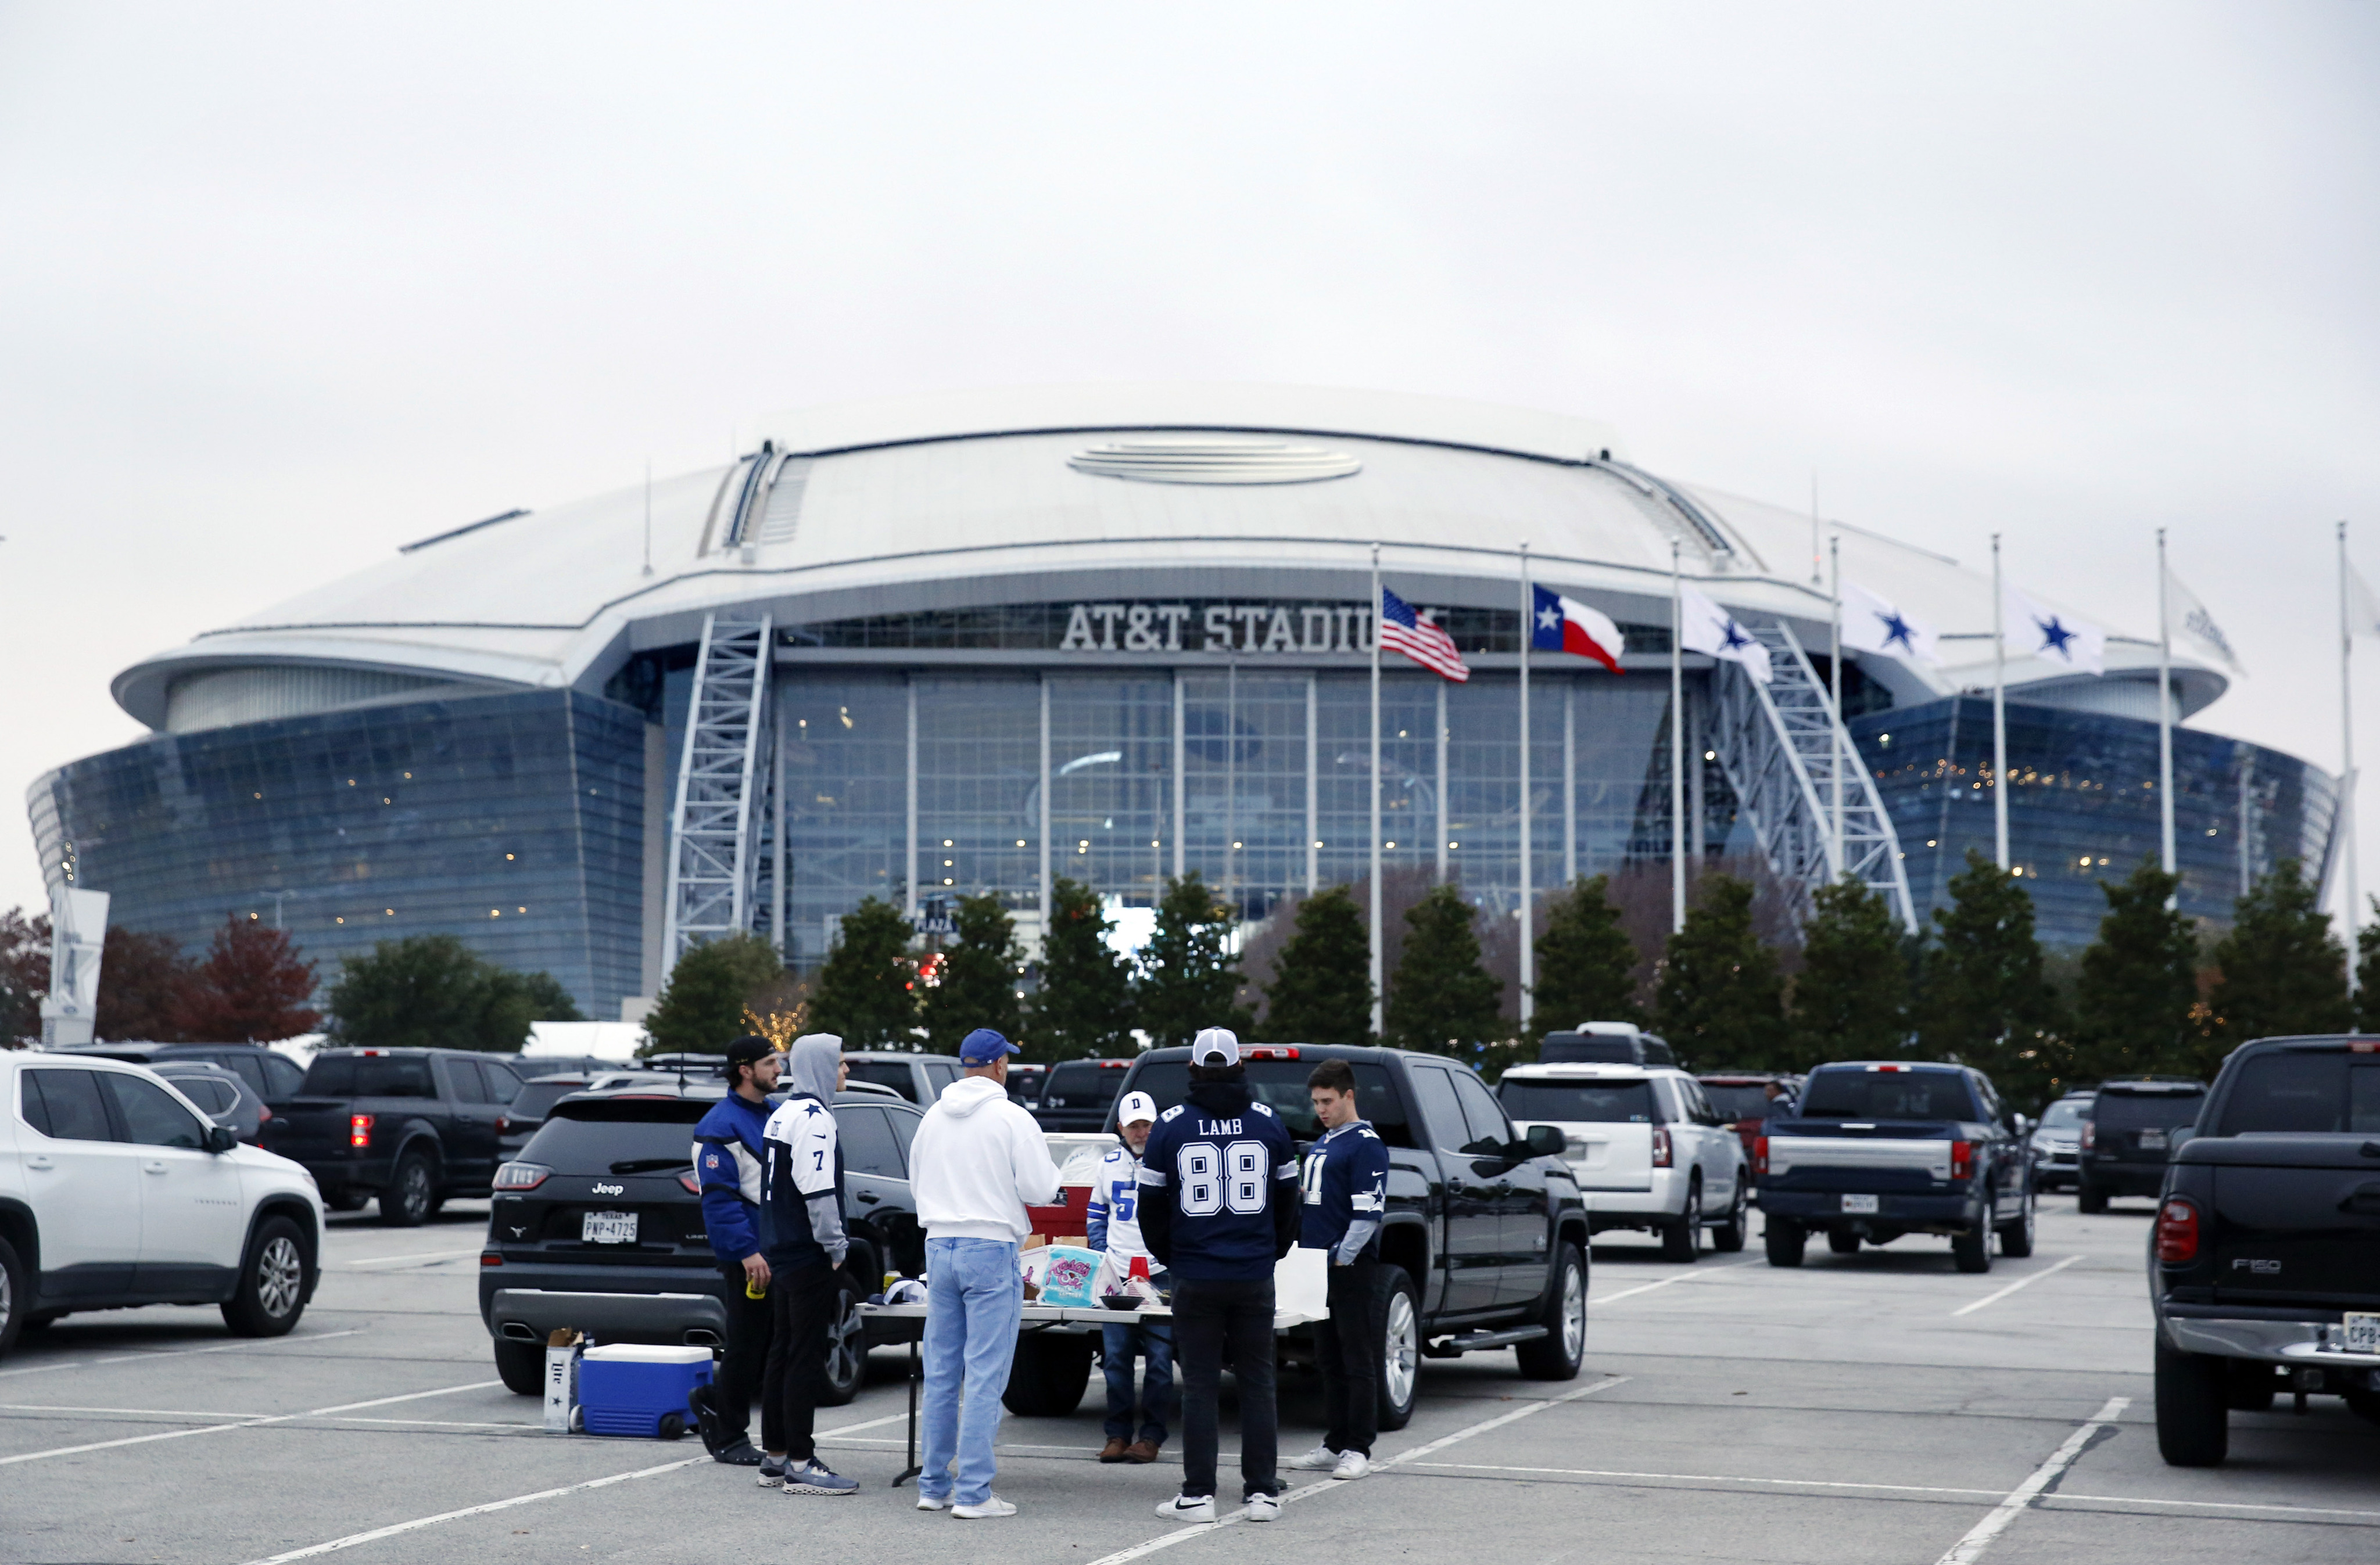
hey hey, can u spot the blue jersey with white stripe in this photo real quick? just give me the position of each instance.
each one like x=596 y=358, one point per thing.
x=1346 y=1192
x=1225 y=1176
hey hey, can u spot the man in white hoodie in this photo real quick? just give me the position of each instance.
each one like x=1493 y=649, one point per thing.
x=977 y=1160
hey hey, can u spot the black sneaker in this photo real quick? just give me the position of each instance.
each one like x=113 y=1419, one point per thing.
x=772 y=1471
x=743 y=1453
x=706 y=1420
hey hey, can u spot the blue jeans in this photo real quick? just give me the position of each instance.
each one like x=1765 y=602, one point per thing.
x=1154 y=1344
x=974 y=1299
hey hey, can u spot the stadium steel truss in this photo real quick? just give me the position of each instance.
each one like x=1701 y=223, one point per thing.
x=721 y=870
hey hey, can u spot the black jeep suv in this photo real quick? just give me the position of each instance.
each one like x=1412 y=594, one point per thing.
x=2130 y=1132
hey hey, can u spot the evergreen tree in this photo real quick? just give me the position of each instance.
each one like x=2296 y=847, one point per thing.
x=1851 y=1000
x=1586 y=963
x=1321 y=988
x=1986 y=1003
x=2139 y=983
x=867 y=989
x=1719 y=1000
x=1082 y=1007
x=1440 y=999
x=2283 y=970
x=254 y=988
x=977 y=986
x=433 y=991
x=2367 y=973
x=1188 y=976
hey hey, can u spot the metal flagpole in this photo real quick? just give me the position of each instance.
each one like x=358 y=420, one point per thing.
x=1835 y=671
x=1999 y=716
x=2165 y=717
x=1677 y=745
x=2347 y=755
x=1528 y=881
x=1378 y=1021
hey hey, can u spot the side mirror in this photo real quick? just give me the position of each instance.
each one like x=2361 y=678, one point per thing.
x=1545 y=1141
x=220 y=1138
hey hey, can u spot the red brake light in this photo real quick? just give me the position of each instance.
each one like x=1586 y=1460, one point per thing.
x=263 y=1113
x=1963 y=1159
x=2088 y=1127
x=1760 y=1155
x=359 y=1130
x=489 y=1258
x=1270 y=1051
x=693 y=1185
x=2365 y=1046
x=1661 y=1146
x=2177 y=1231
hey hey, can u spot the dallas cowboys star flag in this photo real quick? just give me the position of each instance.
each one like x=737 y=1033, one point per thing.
x=2034 y=630
x=1565 y=625
x=1873 y=624
x=1711 y=629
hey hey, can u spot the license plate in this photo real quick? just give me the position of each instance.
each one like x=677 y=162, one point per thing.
x=1859 y=1205
x=608 y=1228
x=2363 y=1333
x=2152 y=1141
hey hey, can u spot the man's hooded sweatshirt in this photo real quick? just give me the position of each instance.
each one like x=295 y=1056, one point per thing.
x=804 y=1160
x=978 y=1162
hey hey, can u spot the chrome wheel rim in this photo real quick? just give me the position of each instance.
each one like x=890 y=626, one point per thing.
x=1403 y=1350
x=280 y=1274
x=8 y=1302
x=1574 y=1315
x=414 y=1193
x=1695 y=1220
x=843 y=1352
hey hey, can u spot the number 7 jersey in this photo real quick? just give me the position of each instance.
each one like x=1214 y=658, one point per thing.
x=1223 y=1174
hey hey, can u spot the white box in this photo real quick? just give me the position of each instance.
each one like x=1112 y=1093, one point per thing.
x=560 y=1388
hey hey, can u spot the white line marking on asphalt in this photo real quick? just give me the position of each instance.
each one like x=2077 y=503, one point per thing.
x=1201 y=1529
x=158 y=1412
x=1707 y=1478
x=244 y=1423
x=2020 y=1282
x=424 y=1256
x=1979 y=1538
x=2210 y=1505
x=1646 y=1288
x=178 y=1353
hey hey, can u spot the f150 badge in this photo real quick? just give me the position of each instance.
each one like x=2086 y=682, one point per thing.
x=2261 y=1267
x=611 y=1189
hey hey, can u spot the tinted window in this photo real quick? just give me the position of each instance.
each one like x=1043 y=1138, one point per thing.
x=360 y=1075
x=216 y=1097
x=2314 y=1094
x=1737 y=1102
x=250 y=1069
x=940 y=1073
x=1441 y=1112
x=531 y=1101
x=1280 y=1084
x=898 y=1075
x=1888 y=1095
x=282 y=1079
x=1588 y=1048
x=150 y=1115
x=469 y=1085
x=1490 y=1132
x=905 y=1128
x=66 y=1105
x=503 y=1081
x=592 y=1147
x=867 y=1144
x=1082 y=1084
x=2147 y=1111
x=1595 y=1103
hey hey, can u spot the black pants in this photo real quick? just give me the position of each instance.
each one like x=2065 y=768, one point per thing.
x=801 y=1300
x=751 y=1328
x=1206 y=1317
x=1348 y=1346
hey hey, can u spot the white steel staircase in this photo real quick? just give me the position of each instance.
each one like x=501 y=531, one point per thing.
x=719 y=829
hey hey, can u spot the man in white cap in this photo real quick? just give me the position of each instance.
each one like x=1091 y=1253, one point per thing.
x=1114 y=1226
x=1219 y=1208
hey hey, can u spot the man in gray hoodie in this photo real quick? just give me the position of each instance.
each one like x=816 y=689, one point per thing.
x=803 y=1179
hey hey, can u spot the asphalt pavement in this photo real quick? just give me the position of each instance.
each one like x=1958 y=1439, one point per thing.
x=1878 y=1407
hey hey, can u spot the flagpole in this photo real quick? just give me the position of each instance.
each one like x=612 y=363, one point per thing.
x=1378 y=1020
x=2347 y=755
x=1835 y=740
x=1528 y=887
x=2165 y=712
x=2000 y=715
x=1677 y=744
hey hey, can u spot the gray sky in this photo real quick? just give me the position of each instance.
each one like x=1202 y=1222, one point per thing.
x=281 y=288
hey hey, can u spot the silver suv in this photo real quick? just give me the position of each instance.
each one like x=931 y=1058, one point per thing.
x=1648 y=1150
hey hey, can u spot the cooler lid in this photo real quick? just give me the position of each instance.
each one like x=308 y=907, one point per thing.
x=639 y=1353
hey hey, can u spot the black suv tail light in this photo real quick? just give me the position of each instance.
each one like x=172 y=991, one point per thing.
x=522 y=1176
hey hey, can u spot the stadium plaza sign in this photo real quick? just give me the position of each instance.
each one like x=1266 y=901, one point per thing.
x=1218 y=627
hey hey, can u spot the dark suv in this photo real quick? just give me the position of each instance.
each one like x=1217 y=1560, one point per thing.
x=1078 y=1095
x=2131 y=1130
x=598 y=1225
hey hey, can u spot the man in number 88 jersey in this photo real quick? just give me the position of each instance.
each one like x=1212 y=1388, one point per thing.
x=1219 y=1208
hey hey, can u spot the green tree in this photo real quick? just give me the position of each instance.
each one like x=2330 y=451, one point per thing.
x=1440 y=998
x=1188 y=974
x=2139 y=983
x=701 y=1008
x=1321 y=988
x=1083 y=1006
x=1851 y=1000
x=977 y=985
x=2283 y=970
x=1986 y=1003
x=867 y=992
x=1586 y=963
x=424 y=992
x=1719 y=1000
x=2367 y=973
x=25 y=972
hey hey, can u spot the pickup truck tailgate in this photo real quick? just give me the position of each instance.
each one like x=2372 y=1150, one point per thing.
x=1861 y=1159
x=2297 y=1221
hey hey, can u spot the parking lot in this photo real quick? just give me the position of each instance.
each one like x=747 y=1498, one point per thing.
x=1879 y=1407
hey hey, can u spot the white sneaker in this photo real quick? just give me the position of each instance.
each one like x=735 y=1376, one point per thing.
x=1262 y=1508
x=928 y=1502
x=1351 y=1464
x=1321 y=1459
x=991 y=1507
x=1186 y=1508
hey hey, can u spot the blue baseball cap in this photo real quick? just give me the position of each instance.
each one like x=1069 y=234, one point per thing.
x=983 y=1045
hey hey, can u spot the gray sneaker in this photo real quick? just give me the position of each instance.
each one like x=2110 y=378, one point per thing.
x=772 y=1471
x=812 y=1478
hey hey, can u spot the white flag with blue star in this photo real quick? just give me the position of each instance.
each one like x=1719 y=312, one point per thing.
x=1709 y=628
x=1871 y=624
x=2035 y=630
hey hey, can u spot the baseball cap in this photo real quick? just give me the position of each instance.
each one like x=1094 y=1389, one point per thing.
x=748 y=1050
x=1137 y=1105
x=983 y=1045
x=1215 y=1046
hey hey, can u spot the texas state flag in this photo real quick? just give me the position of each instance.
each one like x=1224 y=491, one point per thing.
x=1565 y=625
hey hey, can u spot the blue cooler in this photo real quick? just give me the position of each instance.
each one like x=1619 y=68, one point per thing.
x=629 y=1389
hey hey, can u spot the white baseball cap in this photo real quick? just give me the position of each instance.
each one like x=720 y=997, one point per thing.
x=1215 y=1046
x=1136 y=1107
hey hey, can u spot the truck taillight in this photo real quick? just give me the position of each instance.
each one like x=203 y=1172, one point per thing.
x=1661 y=1146
x=264 y=1113
x=693 y=1185
x=1963 y=1159
x=2088 y=1127
x=1760 y=1156
x=2177 y=1231
x=359 y=1130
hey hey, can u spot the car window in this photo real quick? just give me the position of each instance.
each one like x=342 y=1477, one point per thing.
x=2065 y=1113
x=904 y=1129
x=503 y=1081
x=1280 y=1085
x=209 y=1093
x=1578 y=1102
x=868 y=1144
x=247 y=1068
x=151 y=1118
x=283 y=1077
x=468 y=1084
x=1490 y=1132
x=2310 y=1093
x=2146 y=1111
x=368 y=1075
x=940 y=1073
x=64 y=1105
x=1733 y=1102
x=894 y=1073
x=1082 y=1084
x=1888 y=1095
x=1440 y=1109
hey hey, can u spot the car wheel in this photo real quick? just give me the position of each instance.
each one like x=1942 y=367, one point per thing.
x=406 y=1203
x=1842 y=1242
x=2193 y=1426
x=846 y=1348
x=1399 y=1312
x=1682 y=1240
x=15 y=1296
x=1729 y=1237
x=2016 y=1238
x=272 y=1289
x=1784 y=1240
x=521 y=1366
x=1048 y=1377
x=1558 y=1354
x=2089 y=1197
x=1973 y=1249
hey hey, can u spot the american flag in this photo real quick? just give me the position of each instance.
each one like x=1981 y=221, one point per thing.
x=1401 y=630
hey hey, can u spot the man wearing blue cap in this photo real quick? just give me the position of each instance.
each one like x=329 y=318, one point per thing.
x=977 y=1160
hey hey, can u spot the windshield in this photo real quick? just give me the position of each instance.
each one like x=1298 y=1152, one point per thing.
x=1280 y=1084
x=2316 y=1094
x=1888 y=1095
x=1622 y=1102
x=2067 y=1113
x=2146 y=1111
x=1737 y=1102
x=531 y=1101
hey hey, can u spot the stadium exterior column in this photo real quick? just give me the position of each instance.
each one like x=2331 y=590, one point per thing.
x=909 y=871
x=1528 y=879
x=1441 y=782
x=1570 y=783
x=1373 y=617
x=1313 y=792
x=1181 y=811
x=1044 y=822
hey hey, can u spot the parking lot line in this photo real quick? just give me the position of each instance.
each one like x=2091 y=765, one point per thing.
x=1979 y=1538
x=424 y=1256
x=2020 y=1282
x=177 y=1352
x=157 y=1412
x=1708 y=1478
x=1682 y=1277
x=2068 y=1496
x=243 y=1424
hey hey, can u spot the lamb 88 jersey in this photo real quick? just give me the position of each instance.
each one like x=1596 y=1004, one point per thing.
x=1223 y=1172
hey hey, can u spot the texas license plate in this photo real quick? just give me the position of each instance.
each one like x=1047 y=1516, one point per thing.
x=1860 y=1206
x=2363 y=1333
x=2152 y=1140
x=608 y=1228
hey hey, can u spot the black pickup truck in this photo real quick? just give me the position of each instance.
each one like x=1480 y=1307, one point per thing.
x=2265 y=1268
x=411 y=1126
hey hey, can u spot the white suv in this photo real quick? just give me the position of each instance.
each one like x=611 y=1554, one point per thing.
x=115 y=1190
x=1647 y=1148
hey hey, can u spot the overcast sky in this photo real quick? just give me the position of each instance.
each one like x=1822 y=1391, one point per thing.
x=283 y=287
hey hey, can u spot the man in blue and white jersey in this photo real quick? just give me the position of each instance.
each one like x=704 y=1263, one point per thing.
x=807 y=1246
x=1114 y=1226
x=1344 y=1195
x=727 y=1167
x=1219 y=1208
